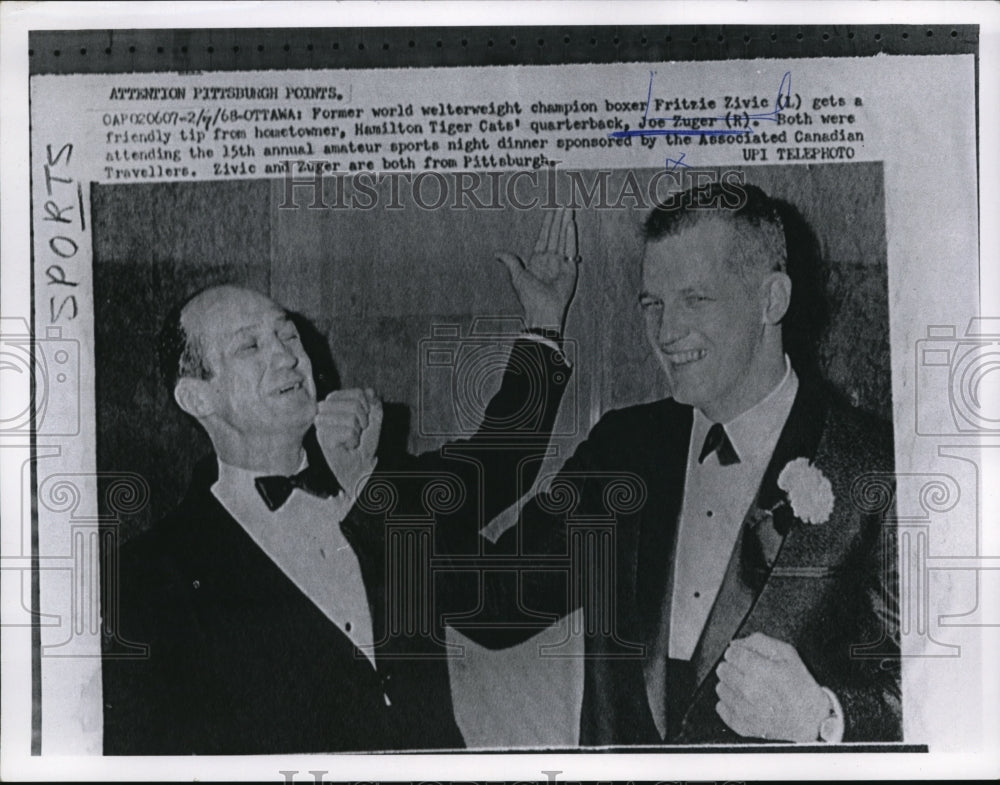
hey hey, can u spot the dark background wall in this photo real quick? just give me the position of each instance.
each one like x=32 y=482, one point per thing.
x=153 y=245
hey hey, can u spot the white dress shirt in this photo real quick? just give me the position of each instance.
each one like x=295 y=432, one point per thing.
x=303 y=538
x=716 y=499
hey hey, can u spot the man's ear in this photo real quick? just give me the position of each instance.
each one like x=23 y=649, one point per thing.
x=777 y=291
x=194 y=396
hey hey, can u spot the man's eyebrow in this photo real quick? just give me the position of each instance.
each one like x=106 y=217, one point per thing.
x=241 y=333
x=235 y=337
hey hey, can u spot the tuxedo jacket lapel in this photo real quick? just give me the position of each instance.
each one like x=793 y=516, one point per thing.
x=761 y=536
x=657 y=539
x=238 y=573
x=616 y=707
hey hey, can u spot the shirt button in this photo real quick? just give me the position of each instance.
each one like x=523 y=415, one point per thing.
x=709 y=513
x=347 y=627
x=196 y=584
x=697 y=594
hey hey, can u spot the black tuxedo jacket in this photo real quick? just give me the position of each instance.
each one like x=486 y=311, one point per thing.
x=236 y=660
x=828 y=589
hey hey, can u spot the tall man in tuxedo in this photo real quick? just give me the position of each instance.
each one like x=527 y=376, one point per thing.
x=274 y=615
x=741 y=600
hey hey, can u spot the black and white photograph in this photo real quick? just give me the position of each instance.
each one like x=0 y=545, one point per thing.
x=601 y=512
x=617 y=396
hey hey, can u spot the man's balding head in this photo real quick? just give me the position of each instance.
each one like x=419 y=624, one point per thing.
x=232 y=358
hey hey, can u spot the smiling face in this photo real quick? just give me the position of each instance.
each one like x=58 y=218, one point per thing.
x=261 y=379
x=713 y=330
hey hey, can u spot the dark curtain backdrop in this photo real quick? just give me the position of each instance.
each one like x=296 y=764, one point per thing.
x=380 y=284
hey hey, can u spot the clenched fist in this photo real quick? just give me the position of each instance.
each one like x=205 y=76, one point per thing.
x=348 y=425
x=766 y=691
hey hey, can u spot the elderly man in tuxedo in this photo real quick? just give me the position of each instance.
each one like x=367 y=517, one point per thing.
x=750 y=591
x=268 y=604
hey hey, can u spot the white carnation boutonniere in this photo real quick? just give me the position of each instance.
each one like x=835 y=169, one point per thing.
x=809 y=491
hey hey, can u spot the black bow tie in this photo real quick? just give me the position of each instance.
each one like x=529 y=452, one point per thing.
x=276 y=489
x=717 y=440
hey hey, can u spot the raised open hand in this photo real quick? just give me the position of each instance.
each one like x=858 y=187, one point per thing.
x=546 y=282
